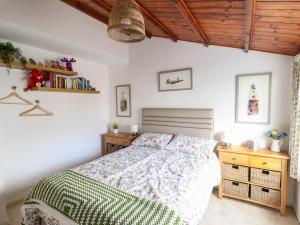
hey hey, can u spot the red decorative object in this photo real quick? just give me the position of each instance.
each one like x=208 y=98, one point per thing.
x=35 y=79
x=55 y=64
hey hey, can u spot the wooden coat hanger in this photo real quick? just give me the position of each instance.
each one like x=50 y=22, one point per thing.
x=16 y=95
x=30 y=112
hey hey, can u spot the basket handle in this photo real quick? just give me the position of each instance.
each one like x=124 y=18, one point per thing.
x=265 y=190
x=235 y=183
x=235 y=167
x=265 y=172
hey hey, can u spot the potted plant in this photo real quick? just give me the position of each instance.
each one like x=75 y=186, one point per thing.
x=277 y=139
x=9 y=54
x=115 y=128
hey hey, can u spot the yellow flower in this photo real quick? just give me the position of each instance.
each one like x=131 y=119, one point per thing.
x=274 y=133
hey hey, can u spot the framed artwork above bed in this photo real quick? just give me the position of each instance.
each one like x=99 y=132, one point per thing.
x=253 y=98
x=123 y=101
x=175 y=80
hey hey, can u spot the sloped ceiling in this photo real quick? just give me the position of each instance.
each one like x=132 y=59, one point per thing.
x=262 y=25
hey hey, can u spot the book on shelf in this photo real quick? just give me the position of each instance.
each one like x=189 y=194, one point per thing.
x=53 y=80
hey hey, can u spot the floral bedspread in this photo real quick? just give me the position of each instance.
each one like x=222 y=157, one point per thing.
x=181 y=180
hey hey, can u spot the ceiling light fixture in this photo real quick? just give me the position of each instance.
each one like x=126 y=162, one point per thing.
x=126 y=22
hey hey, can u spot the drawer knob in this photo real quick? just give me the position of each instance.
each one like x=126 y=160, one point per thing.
x=264 y=163
x=233 y=158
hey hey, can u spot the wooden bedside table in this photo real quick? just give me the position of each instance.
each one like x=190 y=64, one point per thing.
x=113 y=142
x=254 y=176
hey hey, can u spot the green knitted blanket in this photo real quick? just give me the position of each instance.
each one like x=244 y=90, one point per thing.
x=88 y=202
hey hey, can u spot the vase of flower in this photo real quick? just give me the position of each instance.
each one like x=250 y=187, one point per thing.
x=276 y=145
x=277 y=139
x=115 y=128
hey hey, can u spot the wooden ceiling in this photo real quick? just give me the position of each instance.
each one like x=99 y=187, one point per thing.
x=262 y=25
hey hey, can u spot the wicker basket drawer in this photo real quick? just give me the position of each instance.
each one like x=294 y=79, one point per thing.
x=236 y=172
x=236 y=188
x=265 y=177
x=265 y=195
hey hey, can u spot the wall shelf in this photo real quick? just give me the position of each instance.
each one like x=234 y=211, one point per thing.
x=17 y=65
x=64 y=90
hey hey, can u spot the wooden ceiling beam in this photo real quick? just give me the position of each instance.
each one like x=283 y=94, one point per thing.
x=249 y=26
x=158 y=23
x=186 y=13
x=81 y=7
x=104 y=5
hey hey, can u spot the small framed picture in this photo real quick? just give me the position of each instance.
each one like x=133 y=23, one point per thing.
x=175 y=80
x=123 y=100
x=253 y=98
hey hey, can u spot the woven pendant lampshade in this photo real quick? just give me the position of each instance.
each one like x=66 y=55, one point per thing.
x=126 y=22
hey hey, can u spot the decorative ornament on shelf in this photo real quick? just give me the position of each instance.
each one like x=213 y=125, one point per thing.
x=68 y=63
x=10 y=54
x=277 y=139
x=35 y=79
x=126 y=22
x=32 y=61
x=55 y=64
x=115 y=128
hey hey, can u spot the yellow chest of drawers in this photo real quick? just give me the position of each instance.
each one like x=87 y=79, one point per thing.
x=255 y=176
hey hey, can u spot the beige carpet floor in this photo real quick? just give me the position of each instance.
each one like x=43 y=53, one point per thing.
x=220 y=212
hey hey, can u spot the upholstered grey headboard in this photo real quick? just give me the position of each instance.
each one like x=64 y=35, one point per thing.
x=193 y=122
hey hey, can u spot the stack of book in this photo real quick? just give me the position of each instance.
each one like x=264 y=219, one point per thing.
x=58 y=81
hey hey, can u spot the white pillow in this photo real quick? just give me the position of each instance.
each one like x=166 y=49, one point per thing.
x=194 y=145
x=153 y=140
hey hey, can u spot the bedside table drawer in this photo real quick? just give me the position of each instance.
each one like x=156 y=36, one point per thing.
x=123 y=142
x=110 y=148
x=234 y=158
x=111 y=140
x=265 y=163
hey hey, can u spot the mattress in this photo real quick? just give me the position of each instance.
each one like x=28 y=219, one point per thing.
x=180 y=180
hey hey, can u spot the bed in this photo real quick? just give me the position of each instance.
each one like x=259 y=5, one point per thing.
x=137 y=185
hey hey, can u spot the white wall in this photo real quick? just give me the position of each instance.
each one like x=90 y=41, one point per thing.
x=214 y=71
x=54 y=25
x=34 y=147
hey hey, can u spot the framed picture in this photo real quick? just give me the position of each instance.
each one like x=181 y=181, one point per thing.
x=123 y=98
x=253 y=98
x=175 y=80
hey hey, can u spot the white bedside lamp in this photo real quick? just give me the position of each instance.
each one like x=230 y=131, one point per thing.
x=134 y=129
x=226 y=139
